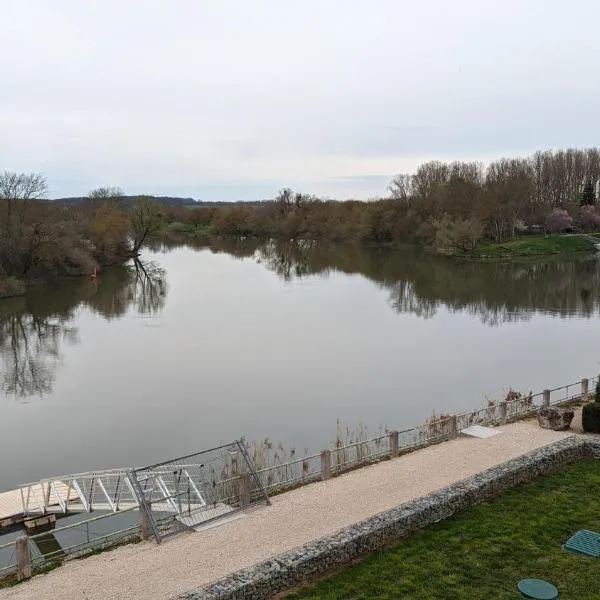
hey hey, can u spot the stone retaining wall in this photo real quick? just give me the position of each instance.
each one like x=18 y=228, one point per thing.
x=266 y=579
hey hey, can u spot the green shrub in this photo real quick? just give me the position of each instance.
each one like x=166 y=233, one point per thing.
x=598 y=389
x=591 y=417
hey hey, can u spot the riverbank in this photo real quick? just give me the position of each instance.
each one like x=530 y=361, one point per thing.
x=13 y=287
x=294 y=518
x=526 y=246
x=568 y=246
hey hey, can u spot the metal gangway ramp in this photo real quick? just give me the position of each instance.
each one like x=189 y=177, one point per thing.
x=191 y=490
x=111 y=490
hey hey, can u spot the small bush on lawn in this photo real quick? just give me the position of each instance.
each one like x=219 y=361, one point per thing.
x=591 y=417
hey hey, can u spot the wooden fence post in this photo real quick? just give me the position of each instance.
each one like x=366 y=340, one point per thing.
x=585 y=388
x=503 y=406
x=326 y=464
x=145 y=525
x=393 y=435
x=23 y=558
x=244 y=485
x=546 y=401
x=239 y=469
x=453 y=427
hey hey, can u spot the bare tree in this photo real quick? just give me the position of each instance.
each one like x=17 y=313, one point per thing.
x=285 y=201
x=17 y=193
x=106 y=195
x=22 y=186
x=509 y=191
x=401 y=188
x=145 y=221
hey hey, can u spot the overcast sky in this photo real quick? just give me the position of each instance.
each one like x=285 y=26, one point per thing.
x=233 y=99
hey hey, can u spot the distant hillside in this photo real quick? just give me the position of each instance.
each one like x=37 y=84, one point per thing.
x=167 y=200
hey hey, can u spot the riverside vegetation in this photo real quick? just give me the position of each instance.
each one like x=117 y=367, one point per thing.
x=456 y=208
x=42 y=241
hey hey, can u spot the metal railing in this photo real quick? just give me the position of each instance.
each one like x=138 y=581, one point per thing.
x=91 y=534
x=194 y=490
x=348 y=456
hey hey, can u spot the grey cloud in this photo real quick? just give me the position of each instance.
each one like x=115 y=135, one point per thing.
x=233 y=99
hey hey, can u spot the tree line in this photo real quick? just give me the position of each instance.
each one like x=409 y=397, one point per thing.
x=45 y=240
x=448 y=205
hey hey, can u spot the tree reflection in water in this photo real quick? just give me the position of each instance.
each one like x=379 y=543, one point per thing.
x=422 y=283
x=34 y=328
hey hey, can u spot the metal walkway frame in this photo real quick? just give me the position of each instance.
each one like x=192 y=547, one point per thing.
x=192 y=489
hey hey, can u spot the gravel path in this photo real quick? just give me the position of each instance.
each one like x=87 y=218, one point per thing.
x=148 y=571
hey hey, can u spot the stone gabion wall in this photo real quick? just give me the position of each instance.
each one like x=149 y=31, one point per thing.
x=285 y=571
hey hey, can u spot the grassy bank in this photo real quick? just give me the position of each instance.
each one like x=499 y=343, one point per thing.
x=484 y=552
x=532 y=246
x=182 y=231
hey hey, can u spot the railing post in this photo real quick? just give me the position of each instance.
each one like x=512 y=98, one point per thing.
x=23 y=555
x=453 y=427
x=585 y=388
x=145 y=524
x=503 y=406
x=244 y=489
x=145 y=508
x=239 y=470
x=326 y=464
x=546 y=401
x=393 y=436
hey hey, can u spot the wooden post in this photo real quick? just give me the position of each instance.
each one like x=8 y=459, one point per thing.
x=326 y=464
x=145 y=525
x=503 y=411
x=23 y=558
x=546 y=398
x=239 y=470
x=453 y=427
x=244 y=484
x=393 y=435
x=585 y=388
x=244 y=490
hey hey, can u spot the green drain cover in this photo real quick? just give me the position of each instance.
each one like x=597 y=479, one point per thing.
x=584 y=542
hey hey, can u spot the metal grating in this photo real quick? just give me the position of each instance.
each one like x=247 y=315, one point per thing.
x=584 y=542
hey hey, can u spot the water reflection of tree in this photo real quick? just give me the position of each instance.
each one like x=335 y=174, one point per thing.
x=34 y=328
x=420 y=283
x=30 y=347
x=148 y=289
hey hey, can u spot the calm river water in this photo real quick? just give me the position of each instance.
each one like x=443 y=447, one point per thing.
x=201 y=345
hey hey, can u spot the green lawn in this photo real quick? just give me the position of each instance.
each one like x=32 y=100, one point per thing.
x=485 y=551
x=186 y=230
x=538 y=245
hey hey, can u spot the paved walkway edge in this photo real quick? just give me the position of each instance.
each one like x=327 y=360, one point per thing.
x=264 y=580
